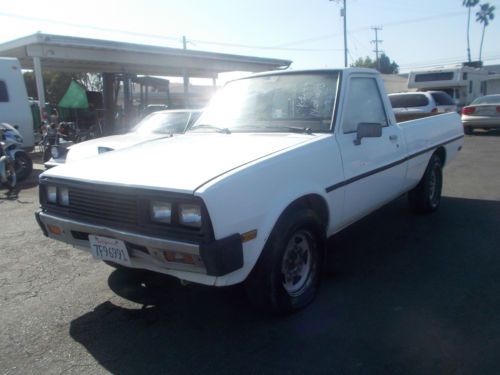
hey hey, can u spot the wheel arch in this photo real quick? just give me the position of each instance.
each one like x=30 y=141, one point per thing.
x=313 y=201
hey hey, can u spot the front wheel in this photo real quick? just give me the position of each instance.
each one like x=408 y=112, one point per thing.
x=23 y=165
x=426 y=196
x=287 y=275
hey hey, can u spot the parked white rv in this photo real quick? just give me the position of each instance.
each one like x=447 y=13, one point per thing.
x=14 y=106
x=462 y=83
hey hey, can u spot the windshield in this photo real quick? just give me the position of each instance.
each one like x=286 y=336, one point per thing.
x=281 y=102
x=489 y=99
x=163 y=123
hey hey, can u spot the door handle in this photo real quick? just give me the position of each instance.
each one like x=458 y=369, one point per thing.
x=393 y=137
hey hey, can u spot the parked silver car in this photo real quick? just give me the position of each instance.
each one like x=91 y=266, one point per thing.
x=156 y=125
x=422 y=102
x=483 y=113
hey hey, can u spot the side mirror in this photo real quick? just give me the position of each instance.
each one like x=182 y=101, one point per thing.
x=367 y=130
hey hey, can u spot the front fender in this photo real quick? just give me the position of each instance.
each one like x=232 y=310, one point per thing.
x=254 y=197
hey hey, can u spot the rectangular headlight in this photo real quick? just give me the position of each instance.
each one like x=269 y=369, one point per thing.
x=190 y=215
x=51 y=194
x=161 y=212
x=63 y=196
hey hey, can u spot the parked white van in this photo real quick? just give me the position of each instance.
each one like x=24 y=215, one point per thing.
x=14 y=106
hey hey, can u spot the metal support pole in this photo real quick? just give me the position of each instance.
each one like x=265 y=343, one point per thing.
x=39 y=86
x=186 y=77
x=108 y=94
x=127 y=102
x=169 y=99
x=345 y=33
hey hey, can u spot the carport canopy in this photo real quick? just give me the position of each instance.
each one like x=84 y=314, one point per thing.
x=73 y=54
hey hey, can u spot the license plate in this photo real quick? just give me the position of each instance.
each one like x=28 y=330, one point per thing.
x=105 y=248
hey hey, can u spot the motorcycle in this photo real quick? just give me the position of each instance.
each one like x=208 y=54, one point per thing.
x=7 y=171
x=13 y=156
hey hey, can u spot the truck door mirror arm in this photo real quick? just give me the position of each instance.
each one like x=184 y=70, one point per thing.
x=367 y=130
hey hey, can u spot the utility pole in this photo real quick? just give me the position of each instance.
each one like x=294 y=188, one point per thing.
x=185 y=77
x=343 y=13
x=376 y=41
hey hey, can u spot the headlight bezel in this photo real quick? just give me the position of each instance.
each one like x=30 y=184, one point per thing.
x=179 y=211
x=190 y=215
x=63 y=196
x=51 y=194
x=161 y=205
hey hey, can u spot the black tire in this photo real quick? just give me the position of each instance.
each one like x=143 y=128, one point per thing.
x=468 y=130
x=265 y=286
x=23 y=165
x=426 y=196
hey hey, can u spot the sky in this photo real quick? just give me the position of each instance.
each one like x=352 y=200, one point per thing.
x=415 y=34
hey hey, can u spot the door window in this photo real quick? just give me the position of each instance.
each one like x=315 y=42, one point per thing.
x=4 y=96
x=363 y=104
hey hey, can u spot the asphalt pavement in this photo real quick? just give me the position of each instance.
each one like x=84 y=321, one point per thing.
x=401 y=294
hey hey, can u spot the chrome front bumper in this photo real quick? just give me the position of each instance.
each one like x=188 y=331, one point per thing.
x=216 y=258
x=145 y=252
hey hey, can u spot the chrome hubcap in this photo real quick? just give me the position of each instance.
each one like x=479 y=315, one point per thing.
x=296 y=264
x=434 y=187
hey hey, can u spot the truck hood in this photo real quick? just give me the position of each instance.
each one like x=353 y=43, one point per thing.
x=90 y=148
x=179 y=164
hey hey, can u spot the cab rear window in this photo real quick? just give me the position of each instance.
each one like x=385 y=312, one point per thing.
x=408 y=100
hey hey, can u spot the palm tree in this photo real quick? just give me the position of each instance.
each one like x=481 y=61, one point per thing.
x=484 y=16
x=469 y=4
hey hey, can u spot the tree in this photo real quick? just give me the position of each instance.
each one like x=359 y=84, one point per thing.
x=91 y=81
x=56 y=83
x=469 y=4
x=386 y=66
x=484 y=16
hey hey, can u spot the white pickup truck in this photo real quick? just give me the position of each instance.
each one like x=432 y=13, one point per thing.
x=277 y=163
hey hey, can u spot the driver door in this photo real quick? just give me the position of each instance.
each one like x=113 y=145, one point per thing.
x=375 y=169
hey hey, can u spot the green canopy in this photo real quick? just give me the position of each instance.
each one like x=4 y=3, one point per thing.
x=75 y=97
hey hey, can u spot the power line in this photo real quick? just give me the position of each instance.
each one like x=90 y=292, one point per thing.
x=280 y=47
x=98 y=28
x=388 y=24
x=223 y=44
x=163 y=37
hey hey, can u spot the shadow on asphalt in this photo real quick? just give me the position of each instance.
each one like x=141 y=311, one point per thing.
x=401 y=294
x=486 y=133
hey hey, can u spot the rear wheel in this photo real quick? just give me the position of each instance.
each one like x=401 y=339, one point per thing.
x=468 y=130
x=426 y=196
x=287 y=275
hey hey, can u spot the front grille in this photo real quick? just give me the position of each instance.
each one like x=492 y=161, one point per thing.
x=124 y=207
x=114 y=206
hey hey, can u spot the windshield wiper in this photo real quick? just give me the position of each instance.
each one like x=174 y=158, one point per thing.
x=208 y=126
x=294 y=129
